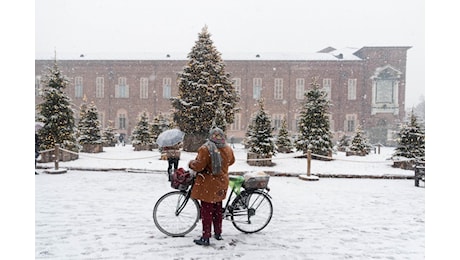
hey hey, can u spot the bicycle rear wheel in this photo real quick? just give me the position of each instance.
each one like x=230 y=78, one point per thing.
x=175 y=215
x=251 y=211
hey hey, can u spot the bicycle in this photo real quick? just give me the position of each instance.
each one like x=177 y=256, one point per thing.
x=177 y=214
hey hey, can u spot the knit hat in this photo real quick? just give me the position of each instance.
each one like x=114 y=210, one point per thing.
x=217 y=136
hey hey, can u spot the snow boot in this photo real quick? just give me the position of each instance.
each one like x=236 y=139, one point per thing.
x=202 y=241
x=218 y=236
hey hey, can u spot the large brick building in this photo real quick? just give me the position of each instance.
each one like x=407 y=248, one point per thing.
x=366 y=86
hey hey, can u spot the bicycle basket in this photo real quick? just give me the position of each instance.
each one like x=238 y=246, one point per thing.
x=257 y=180
x=181 y=179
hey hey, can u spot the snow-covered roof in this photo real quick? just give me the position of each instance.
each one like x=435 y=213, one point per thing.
x=325 y=54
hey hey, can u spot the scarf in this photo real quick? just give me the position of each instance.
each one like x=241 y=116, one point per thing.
x=216 y=158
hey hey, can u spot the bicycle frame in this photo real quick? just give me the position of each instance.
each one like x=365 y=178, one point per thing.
x=225 y=209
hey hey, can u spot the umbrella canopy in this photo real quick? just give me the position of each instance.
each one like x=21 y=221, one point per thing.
x=170 y=137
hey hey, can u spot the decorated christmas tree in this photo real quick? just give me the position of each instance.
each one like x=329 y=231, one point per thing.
x=314 y=125
x=283 y=142
x=89 y=126
x=141 y=133
x=204 y=85
x=56 y=114
x=411 y=141
x=260 y=133
x=360 y=144
x=108 y=135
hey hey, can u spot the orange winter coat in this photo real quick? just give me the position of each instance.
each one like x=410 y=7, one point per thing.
x=211 y=187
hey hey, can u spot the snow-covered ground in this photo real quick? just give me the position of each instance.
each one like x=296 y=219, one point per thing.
x=86 y=214
x=123 y=157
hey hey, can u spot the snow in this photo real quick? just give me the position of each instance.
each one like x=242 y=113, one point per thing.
x=123 y=157
x=102 y=209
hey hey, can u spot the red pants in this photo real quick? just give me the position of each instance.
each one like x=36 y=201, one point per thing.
x=211 y=214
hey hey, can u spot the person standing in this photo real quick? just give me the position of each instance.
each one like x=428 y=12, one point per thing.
x=173 y=155
x=211 y=183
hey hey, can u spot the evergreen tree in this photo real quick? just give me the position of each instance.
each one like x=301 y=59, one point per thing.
x=90 y=126
x=141 y=133
x=203 y=87
x=344 y=143
x=108 y=135
x=411 y=141
x=283 y=142
x=314 y=126
x=83 y=109
x=360 y=144
x=260 y=133
x=55 y=112
x=159 y=124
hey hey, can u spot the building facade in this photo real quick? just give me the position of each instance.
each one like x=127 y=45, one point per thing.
x=366 y=86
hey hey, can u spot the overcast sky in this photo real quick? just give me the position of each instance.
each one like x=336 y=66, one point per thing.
x=99 y=26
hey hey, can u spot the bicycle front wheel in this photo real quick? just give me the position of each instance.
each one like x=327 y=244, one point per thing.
x=176 y=215
x=251 y=211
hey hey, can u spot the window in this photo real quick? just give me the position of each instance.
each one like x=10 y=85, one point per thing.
x=78 y=87
x=167 y=88
x=237 y=85
x=276 y=121
x=327 y=84
x=385 y=87
x=278 y=91
x=144 y=91
x=384 y=91
x=236 y=123
x=351 y=89
x=350 y=122
x=100 y=87
x=122 y=89
x=121 y=121
x=256 y=88
x=299 y=88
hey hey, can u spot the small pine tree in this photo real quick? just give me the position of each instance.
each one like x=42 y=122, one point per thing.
x=283 y=142
x=83 y=109
x=411 y=141
x=141 y=133
x=55 y=112
x=89 y=126
x=108 y=135
x=344 y=143
x=314 y=125
x=359 y=143
x=260 y=133
x=203 y=86
x=159 y=124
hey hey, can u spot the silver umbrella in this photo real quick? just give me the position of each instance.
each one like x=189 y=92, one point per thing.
x=170 y=137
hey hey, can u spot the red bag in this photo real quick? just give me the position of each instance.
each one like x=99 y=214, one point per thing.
x=181 y=179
